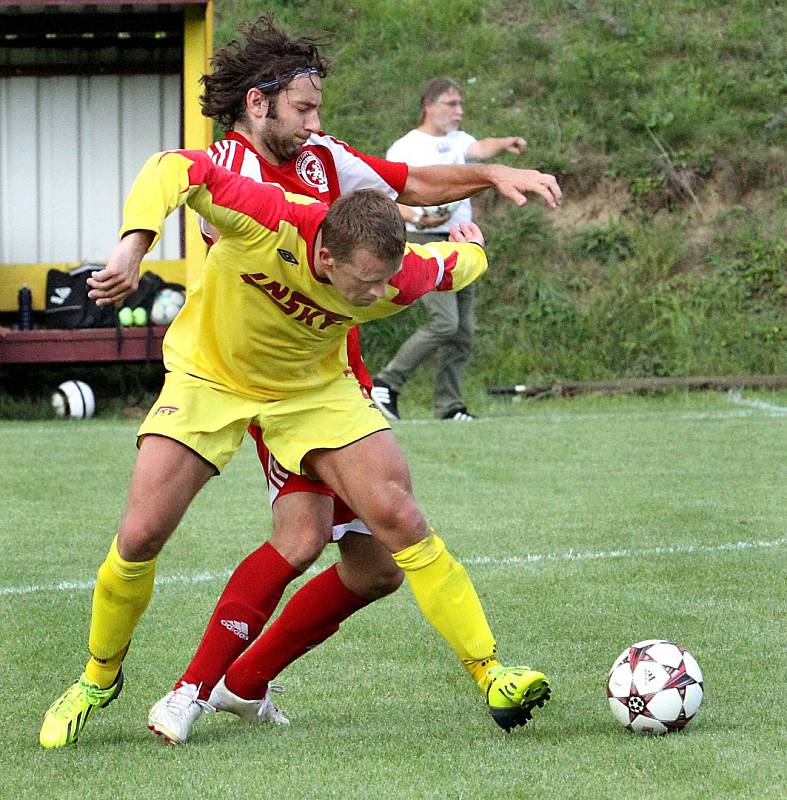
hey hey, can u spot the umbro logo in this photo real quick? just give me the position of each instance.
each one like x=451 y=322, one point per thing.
x=240 y=629
x=287 y=256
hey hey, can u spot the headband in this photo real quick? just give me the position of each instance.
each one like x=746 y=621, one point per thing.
x=286 y=78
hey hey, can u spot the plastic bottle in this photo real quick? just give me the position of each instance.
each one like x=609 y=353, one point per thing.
x=25 y=309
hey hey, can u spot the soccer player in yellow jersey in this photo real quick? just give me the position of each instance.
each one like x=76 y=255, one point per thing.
x=262 y=339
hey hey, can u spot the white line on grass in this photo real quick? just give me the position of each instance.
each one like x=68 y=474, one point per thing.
x=735 y=397
x=770 y=411
x=508 y=561
x=82 y=586
x=600 y=555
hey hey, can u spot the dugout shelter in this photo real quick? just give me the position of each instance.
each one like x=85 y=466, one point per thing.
x=87 y=93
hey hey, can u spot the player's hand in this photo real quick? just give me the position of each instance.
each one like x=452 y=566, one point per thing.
x=515 y=183
x=514 y=144
x=120 y=277
x=466 y=232
x=432 y=220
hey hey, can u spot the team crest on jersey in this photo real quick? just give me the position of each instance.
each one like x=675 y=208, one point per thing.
x=311 y=171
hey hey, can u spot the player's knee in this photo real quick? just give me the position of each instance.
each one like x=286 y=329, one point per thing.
x=398 y=525
x=372 y=582
x=383 y=583
x=300 y=547
x=388 y=582
x=138 y=541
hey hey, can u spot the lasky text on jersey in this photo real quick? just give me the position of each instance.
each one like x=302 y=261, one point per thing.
x=293 y=303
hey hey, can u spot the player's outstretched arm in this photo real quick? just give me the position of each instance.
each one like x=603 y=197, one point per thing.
x=516 y=183
x=428 y=186
x=120 y=277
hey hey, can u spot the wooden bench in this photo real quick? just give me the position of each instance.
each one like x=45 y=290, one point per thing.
x=81 y=345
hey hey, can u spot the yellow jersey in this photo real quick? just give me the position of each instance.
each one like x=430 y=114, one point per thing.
x=259 y=320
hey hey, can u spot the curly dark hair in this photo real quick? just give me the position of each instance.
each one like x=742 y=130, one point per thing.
x=266 y=54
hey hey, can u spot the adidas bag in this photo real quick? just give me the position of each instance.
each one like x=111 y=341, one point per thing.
x=65 y=299
x=67 y=303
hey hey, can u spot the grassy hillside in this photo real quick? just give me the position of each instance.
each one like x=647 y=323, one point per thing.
x=666 y=124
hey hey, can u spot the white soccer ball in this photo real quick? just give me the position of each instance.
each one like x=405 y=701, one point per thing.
x=74 y=399
x=445 y=208
x=166 y=305
x=654 y=686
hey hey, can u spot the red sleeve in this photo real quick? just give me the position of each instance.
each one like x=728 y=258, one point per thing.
x=355 y=359
x=393 y=173
x=418 y=276
x=265 y=203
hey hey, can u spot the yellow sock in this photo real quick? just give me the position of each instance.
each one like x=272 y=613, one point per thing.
x=449 y=602
x=479 y=669
x=123 y=591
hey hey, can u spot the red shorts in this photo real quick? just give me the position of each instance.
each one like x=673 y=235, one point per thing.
x=281 y=482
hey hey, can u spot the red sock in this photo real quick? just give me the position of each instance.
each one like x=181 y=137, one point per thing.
x=249 y=598
x=313 y=614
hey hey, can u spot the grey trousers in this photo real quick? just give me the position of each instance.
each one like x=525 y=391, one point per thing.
x=448 y=331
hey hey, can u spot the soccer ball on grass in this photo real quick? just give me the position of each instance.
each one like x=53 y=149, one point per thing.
x=74 y=399
x=655 y=686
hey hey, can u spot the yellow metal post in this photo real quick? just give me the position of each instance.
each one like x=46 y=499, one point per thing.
x=197 y=130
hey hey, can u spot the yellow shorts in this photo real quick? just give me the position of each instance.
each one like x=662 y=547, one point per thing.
x=211 y=419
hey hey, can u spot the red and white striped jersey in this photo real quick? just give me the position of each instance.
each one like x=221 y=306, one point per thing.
x=325 y=169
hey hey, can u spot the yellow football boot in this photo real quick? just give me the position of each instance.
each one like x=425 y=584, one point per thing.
x=513 y=693
x=68 y=714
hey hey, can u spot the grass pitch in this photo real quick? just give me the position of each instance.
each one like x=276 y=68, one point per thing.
x=586 y=524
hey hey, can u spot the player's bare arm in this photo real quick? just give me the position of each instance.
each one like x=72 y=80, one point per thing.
x=428 y=186
x=120 y=277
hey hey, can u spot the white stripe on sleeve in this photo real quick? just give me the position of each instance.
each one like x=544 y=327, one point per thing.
x=250 y=167
x=440 y=264
x=353 y=172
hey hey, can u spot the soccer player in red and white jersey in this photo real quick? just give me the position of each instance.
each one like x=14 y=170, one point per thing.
x=324 y=168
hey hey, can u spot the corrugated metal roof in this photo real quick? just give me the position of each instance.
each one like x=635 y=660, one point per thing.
x=27 y=5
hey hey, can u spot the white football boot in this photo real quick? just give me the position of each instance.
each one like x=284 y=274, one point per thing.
x=254 y=711
x=173 y=715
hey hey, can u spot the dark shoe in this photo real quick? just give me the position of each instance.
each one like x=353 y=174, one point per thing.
x=385 y=397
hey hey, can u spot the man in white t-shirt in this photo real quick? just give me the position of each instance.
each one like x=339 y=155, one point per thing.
x=438 y=140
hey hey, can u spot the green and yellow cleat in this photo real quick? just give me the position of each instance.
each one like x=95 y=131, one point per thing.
x=513 y=694
x=68 y=714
